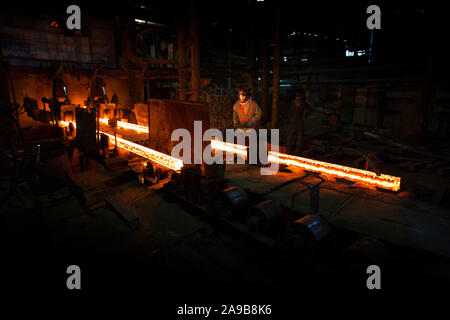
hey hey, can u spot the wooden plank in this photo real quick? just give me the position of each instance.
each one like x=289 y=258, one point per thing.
x=126 y=213
x=116 y=163
x=91 y=187
x=396 y=224
x=359 y=110
x=443 y=171
x=436 y=164
x=411 y=166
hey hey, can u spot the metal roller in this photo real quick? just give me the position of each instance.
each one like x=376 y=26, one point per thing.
x=312 y=225
x=304 y=236
x=365 y=251
x=265 y=216
x=235 y=197
x=213 y=171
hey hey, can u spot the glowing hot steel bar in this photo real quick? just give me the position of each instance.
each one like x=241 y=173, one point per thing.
x=150 y=154
x=229 y=147
x=370 y=178
x=127 y=125
x=153 y=155
x=66 y=123
x=383 y=181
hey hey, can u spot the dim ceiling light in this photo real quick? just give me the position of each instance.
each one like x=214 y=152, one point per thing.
x=139 y=21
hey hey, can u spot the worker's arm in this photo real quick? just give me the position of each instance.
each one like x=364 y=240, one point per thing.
x=236 y=122
x=257 y=117
x=308 y=110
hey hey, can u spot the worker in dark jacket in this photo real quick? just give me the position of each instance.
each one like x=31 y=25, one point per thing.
x=296 y=122
x=246 y=112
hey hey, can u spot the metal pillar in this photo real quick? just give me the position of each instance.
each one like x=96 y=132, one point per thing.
x=265 y=82
x=276 y=69
x=195 y=52
x=182 y=79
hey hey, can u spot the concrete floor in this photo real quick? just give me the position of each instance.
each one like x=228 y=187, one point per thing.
x=382 y=215
x=174 y=256
x=170 y=246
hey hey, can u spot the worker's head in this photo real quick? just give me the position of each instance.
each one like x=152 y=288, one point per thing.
x=243 y=95
x=300 y=95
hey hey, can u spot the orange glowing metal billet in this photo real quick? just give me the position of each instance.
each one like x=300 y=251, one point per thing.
x=153 y=155
x=127 y=125
x=368 y=177
x=66 y=123
x=229 y=147
x=371 y=178
x=150 y=154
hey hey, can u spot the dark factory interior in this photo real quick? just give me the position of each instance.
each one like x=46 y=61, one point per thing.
x=118 y=174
